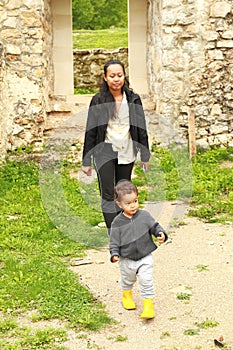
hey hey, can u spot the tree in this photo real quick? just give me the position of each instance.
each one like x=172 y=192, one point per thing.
x=82 y=13
x=99 y=14
x=109 y=13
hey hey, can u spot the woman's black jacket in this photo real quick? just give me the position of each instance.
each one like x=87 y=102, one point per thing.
x=101 y=108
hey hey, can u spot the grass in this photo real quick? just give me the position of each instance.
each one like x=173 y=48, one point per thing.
x=34 y=254
x=206 y=182
x=106 y=38
x=48 y=218
x=83 y=91
x=15 y=336
x=171 y=174
x=212 y=197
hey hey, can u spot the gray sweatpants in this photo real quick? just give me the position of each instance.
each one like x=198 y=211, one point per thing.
x=143 y=269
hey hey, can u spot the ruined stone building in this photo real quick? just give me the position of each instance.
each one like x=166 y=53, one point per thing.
x=180 y=56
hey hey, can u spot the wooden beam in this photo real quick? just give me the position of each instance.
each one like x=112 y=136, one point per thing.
x=192 y=134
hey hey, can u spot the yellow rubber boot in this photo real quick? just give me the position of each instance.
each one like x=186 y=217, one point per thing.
x=127 y=300
x=148 y=310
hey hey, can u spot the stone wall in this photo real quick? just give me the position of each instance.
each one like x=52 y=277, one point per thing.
x=88 y=65
x=189 y=61
x=25 y=71
x=190 y=65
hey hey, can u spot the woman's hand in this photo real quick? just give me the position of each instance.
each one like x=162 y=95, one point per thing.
x=87 y=170
x=144 y=166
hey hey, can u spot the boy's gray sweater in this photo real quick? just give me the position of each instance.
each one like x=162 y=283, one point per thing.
x=131 y=238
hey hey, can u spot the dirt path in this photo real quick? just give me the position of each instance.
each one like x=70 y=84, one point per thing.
x=198 y=262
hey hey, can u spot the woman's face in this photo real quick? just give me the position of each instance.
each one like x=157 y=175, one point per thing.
x=115 y=77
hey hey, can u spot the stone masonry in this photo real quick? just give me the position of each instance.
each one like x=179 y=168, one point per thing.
x=88 y=65
x=190 y=60
x=189 y=64
x=24 y=71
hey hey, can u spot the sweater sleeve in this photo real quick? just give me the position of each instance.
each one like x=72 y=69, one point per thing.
x=140 y=128
x=114 y=246
x=142 y=133
x=154 y=227
x=90 y=133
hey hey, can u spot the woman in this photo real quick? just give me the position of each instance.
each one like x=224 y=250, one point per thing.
x=115 y=132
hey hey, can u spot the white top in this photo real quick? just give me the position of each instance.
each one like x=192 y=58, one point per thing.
x=119 y=136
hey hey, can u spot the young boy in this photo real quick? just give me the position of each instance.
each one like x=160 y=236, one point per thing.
x=131 y=244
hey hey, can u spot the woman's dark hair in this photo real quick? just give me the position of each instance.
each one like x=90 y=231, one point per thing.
x=122 y=188
x=104 y=87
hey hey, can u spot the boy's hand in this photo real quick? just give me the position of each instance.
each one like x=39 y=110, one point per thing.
x=115 y=258
x=161 y=238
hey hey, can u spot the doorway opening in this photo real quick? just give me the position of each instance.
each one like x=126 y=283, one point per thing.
x=63 y=46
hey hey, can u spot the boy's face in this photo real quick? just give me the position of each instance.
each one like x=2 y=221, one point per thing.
x=129 y=204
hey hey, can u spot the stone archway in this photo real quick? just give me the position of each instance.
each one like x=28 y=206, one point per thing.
x=63 y=47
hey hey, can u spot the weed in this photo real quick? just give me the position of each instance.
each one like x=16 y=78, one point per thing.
x=191 y=331
x=188 y=287
x=183 y=296
x=201 y=268
x=121 y=338
x=203 y=325
x=182 y=223
x=207 y=324
x=82 y=336
x=22 y=150
x=172 y=318
x=165 y=334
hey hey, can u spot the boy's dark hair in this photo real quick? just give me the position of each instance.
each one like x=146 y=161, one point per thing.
x=122 y=188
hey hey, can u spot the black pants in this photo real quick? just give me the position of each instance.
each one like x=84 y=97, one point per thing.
x=109 y=172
